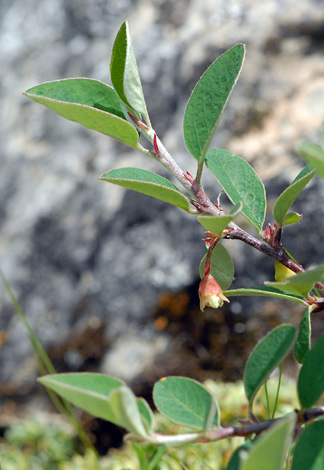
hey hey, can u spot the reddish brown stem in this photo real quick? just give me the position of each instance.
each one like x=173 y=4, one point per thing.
x=303 y=416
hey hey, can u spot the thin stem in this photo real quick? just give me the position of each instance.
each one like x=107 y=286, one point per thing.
x=303 y=416
x=209 y=254
x=236 y=233
x=200 y=167
x=267 y=398
x=277 y=394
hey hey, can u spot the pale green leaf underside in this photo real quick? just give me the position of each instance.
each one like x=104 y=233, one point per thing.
x=148 y=183
x=288 y=196
x=292 y=218
x=302 y=283
x=309 y=450
x=263 y=292
x=100 y=395
x=265 y=357
x=311 y=376
x=88 y=102
x=216 y=224
x=314 y=155
x=221 y=266
x=303 y=343
x=124 y=73
x=270 y=450
x=186 y=401
x=240 y=182
x=209 y=98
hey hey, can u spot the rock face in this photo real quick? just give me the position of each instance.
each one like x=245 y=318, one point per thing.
x=86 y=260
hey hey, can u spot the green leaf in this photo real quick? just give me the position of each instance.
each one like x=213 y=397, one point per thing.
x=265 y=357
x=263 y=292
x=146 y=412
x=141 y=455
x=289 y=195
x=209 y=98
x=124 y=73
x=240 y=183
x=314 y=155
x=291 y=218
x=187 y=402
x=216 y=224
x=88 y=102
x=235 y=460
x=303 y=343
x=221 y=266
x=100 y=395
x=311 y=376
x=156 y=458
x=145 y=182
x=153 y=462
x=301 y=284
x=269 y=451
x=309 y=450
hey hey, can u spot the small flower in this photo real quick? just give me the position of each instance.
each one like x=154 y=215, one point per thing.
x=210 y=293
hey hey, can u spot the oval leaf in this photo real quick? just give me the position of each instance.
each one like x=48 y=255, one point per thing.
x=314 y=155
x=265 y=357
x=303 y=343
x=289 y=195
x=301 y=284
x=219 y=223
x=270 y=450
x=221 y=266
x=240 y=182
x=100 y=395
x=263 y=292
x=291 y=218
x=209 y=98
x=124 y=73
x=311 y=376
x=187 y=402
x=145 y=182
x=88 y=102
x=309 y=450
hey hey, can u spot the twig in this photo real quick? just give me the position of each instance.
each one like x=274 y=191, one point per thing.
x=303 y=416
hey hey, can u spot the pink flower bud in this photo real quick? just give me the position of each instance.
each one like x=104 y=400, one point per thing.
x=210 y=293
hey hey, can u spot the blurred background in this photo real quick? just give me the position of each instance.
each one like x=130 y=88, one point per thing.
x=108 y=278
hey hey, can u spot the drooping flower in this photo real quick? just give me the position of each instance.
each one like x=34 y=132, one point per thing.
x=210 y=293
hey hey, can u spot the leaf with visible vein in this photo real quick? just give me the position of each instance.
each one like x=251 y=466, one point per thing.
x=148 y=183
x=186 y=401
x=209 y=98
x=88 y=102
x=240 y=182
x=265 y=357
x=124 y=73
